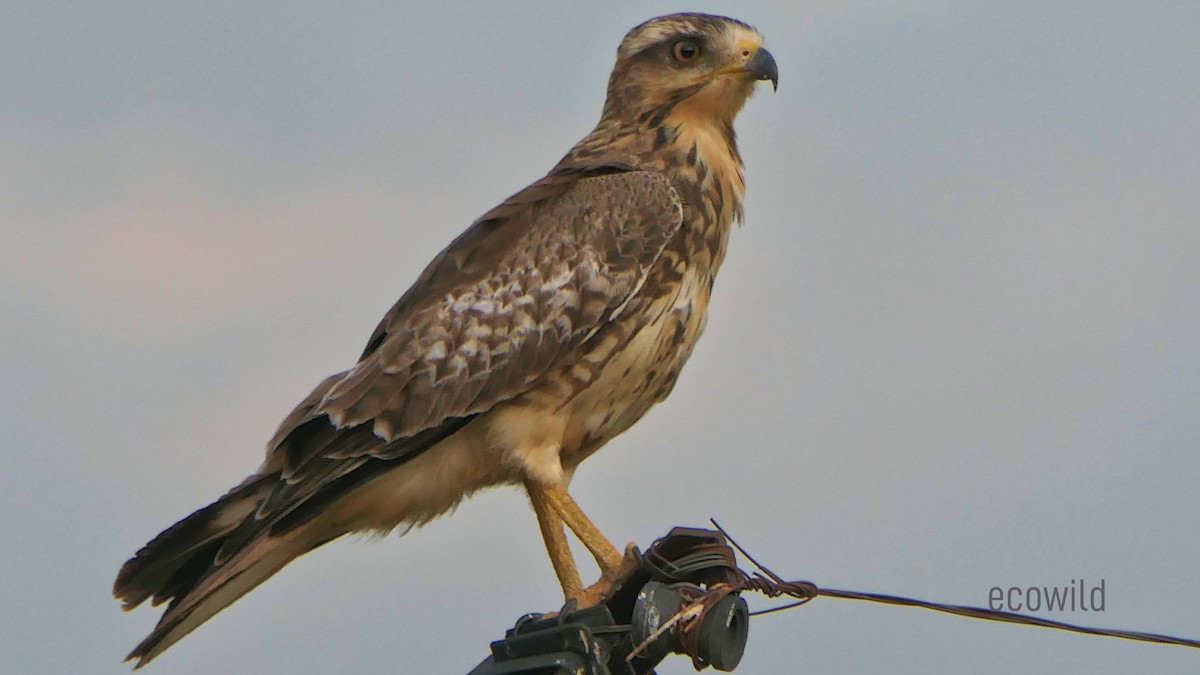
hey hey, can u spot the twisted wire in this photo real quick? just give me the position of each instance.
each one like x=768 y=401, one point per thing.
x=764 y=581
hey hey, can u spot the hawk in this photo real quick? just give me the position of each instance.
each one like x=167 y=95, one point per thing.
x=547 y=328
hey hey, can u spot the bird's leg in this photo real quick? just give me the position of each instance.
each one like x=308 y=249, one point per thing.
x=614 y=567
x=555 y=537
x=607 y=556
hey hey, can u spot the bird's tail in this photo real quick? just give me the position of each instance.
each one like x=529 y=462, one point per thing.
x=205 y=562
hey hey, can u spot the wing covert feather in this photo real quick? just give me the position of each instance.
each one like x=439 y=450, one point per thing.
x=505 y=303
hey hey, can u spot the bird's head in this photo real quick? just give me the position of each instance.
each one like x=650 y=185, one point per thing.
x=707 y=64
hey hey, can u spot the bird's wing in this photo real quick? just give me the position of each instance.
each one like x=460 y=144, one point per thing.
x=510 y=299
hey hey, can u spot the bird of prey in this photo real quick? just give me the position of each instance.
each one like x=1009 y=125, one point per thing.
x=547 y=328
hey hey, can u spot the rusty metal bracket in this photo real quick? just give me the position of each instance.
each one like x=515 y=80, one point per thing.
x=683 y=598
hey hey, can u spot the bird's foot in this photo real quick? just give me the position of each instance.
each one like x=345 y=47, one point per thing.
x=611 y=578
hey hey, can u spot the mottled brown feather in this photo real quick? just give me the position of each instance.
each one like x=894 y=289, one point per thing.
x=479 y=329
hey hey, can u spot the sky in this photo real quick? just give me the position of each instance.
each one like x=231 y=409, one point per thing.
x=954 y=347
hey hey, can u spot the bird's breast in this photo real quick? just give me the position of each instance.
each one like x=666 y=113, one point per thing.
x=635 y=364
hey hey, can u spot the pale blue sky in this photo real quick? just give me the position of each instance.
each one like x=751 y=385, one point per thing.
x=955 y=345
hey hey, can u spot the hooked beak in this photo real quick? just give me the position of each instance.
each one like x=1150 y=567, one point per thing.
x=762 y=66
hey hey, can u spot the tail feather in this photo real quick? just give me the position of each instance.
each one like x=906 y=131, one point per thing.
x=220 y=586
x=208 y=560
x=182 y=563
x=162 y=566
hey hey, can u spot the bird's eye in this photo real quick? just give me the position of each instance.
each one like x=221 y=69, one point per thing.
x=685 y=50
